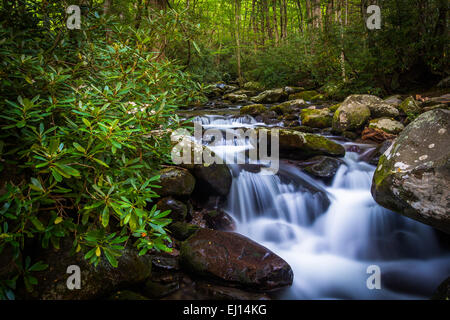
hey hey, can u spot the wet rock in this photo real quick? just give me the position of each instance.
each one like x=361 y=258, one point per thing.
x=216 y=292
x=270 y=96
x=254 y=86
x=219 y=220
x=351 y=115
x=182 y=230
x=304 y=95
x=288 y=106
x=97 y=281
x=374 y=156
x=176 y=181
x=235 y=259
x=323 y=167
x=161 y=284
x=316 y=118
x=178 y=209
x=299 y=145
x=213 y=179
x=291 y=90
x=394 y=100
x=443 y=291
x=410 y=107
x=387 y=125
x=412 y=177
x=253 y=109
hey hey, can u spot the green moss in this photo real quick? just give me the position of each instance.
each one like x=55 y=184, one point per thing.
x=254 y=109
x=305 y=95
x=316 y=118
x=334 y=107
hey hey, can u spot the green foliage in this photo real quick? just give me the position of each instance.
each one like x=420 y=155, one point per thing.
x=85 y=123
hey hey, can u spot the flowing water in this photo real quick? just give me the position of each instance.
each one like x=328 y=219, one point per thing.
x=331 y=234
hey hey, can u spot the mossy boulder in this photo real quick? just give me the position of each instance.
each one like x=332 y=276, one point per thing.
x=316 y=118
x=270 y=96
x=410 y=107
x=394 y=100
x=253 y=86
x=412 y=177
x=182 y=230
x=304 y=95
x=291 y=90
x=351 y=115
x=234 y=97
x=387 y=125
x=288 y=106
x=176 y=181
x=178 y=210
x=334 y=107
x=300 y=145
x=213 y=179
x=253 y=110
x=234 y=259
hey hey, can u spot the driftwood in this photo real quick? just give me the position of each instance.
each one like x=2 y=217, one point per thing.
x=376 y=135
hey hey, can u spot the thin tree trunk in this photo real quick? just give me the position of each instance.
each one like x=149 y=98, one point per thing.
x=237 y=13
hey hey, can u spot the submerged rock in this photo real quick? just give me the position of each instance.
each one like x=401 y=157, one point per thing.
x=413 y=176
x=387 y=125
x=316 y=118
x=270 y=96
x=235 y=259
x=176 y=181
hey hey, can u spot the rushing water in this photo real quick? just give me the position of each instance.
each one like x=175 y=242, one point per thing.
x=331 y=234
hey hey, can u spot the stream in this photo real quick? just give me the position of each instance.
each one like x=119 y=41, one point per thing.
x=331 y=234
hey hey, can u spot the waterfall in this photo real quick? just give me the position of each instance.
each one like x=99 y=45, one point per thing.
x=331 y=234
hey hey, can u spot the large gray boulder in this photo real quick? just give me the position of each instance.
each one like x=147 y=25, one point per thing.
x=413 y=175
x=270 y=96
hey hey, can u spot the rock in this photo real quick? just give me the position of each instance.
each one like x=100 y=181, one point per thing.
x=304 y=95
x=436 y=106
x=297 y=145
x=219 y=220
x=288 y=106
x=291 y=90
x=253 y=109
x=316 y=118
x=394 y=100
x=161 y=284
x=178 y=209
x=182 y=230
x=443 y=291
x=96 y=282
x=333 y=108
x=410 y=107
x=375 y=155
x=176 y=181
x=323 y=167
x=412 y=177
x=248 y=93
x=318 y=97
x=351 y=115
x=235 y=259
x=444 y=83
x=127 y=295
x=270 y=96
x=234 y=97
x=213 y=179
x=387 y=125
x=253 y=86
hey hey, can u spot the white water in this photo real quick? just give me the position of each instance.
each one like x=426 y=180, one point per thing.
x=330 y=249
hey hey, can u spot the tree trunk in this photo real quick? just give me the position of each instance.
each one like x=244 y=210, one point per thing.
x=237 y=14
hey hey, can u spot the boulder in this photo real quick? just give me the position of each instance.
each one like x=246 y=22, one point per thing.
x=182 y=230
x=234 y=259
x=316 y=118
x=253 y=110
x=291 y=90
x=413 y=175
x=351 y=115
x=297 y=145
x=288 y=106
x=394 y=100
x=96 y=282
x=235 y=97
x=219 y=220
x=178 y=209
x=304 y=95
x=410 y=107
x=323 y=167
x=176 y=181
x=253 y=86
x=270 y=96
x=334 y=107
x=387 y=125
x=214 y=179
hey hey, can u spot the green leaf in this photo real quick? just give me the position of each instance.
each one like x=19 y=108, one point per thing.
x=79 y=147
x=105 y=217
x=100 y=162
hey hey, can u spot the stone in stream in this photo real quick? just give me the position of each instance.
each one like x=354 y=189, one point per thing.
x=235 y=260
x=316 y=118
x=297 y=145
x=270 y=96
x=178 y=210
x=253 y=110
x=253 y=86
x=323 y=167
x=394 y=100
x=176 y=181
x=213 y=179
x=413 y=175
x=235 y=97
x=351 y=115
x=288 y=106
x=96 y=282
x=410 y=107
x=304 y=95
x=218 y=219
x=387 y=125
